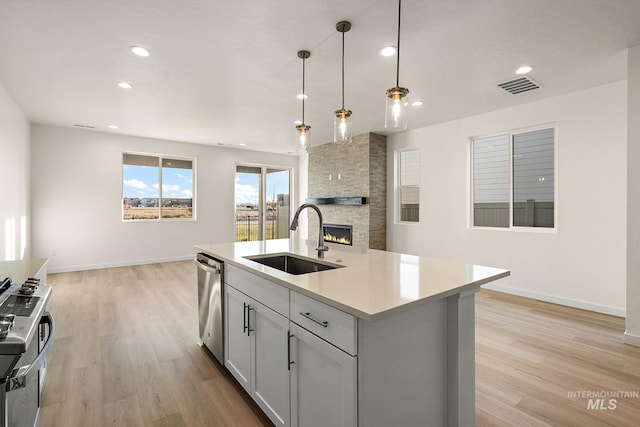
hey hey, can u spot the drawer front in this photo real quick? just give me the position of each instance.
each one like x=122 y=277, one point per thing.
x=331 y=324
x=274 y=296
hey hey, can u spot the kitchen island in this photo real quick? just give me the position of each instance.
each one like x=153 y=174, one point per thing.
x=383 y=339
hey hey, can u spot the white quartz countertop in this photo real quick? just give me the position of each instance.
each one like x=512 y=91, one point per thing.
x=373 y=283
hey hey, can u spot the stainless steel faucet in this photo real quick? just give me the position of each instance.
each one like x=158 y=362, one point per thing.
x=294 y=225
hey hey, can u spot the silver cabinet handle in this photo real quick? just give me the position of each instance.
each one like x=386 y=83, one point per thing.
x=289 y=361
x=249 y=330
x=322 y=323
x=244 y=318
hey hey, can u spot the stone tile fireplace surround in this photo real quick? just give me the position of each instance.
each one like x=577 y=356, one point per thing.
x=352 y=170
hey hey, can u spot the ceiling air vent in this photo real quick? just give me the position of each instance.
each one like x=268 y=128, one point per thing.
x=519 y=85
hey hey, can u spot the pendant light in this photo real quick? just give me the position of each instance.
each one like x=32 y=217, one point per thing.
x=395 y=117
x=342 y=120
x=304 y=130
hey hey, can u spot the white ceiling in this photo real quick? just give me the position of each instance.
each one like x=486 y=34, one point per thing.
x=228 y=72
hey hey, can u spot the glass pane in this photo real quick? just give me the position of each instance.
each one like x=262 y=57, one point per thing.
x=409 y=167
x=409 y=204
x=177 y=188
x=278 y=208
x=491 y=181
x=409 y=191
x=533 y=179
x=247 y=203
x=140 y=188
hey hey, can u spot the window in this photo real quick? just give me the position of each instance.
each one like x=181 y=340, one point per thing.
x=409 y=186
x=156 y=187
x=263 y=211
x=514 y=180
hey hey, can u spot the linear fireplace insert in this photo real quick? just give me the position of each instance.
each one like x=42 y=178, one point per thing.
x=338 y=233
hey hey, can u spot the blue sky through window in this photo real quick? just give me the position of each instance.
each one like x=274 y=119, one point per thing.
x=142 y=182
x=248 y=185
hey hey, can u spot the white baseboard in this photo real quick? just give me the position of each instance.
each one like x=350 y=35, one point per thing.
x=632 y=339
x=584 y=305
x=52 y=270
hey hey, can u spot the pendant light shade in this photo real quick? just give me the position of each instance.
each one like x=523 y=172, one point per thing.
x=342 y=120
x=303 y=141
x=342 y=126
x=395 y=117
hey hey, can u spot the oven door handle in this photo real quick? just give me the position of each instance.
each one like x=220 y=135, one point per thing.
x=18 y=377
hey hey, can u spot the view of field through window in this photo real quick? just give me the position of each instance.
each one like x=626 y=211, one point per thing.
x=249 y=205
x=156 y=188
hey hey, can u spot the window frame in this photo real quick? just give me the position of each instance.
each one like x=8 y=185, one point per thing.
x=161 y=158
x=262 y=196
x=514 y=228
x=398 y=185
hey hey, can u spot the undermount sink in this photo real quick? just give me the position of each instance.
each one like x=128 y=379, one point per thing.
x=292 y=264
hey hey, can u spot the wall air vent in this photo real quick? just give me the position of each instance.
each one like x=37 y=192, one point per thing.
x=84 y=126
x=519 y=85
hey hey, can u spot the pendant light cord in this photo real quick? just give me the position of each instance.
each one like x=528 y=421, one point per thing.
x=398 y=56
x=304 y=94
x=343 y=70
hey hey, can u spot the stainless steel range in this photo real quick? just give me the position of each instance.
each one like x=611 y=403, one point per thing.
x=26 y=337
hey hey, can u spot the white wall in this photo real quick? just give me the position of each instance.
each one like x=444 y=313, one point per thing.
x=584 y=263
x=14 y=180
x=77 y=199
x=632 y=333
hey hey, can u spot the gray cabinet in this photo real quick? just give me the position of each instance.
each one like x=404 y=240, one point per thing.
x=324 y=364
x=294 y=356
x=256 y=346
x=270 y=374
x=237 y=347
x=323 y=382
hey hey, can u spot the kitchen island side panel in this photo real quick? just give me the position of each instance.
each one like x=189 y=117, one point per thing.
x=402 y=368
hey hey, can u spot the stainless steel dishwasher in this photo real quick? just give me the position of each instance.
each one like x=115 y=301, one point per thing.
x=210 y=304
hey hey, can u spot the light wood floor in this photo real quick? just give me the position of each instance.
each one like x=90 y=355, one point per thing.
x=125 y=354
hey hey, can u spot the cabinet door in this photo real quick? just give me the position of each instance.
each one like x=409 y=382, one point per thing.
x=323 y=382
x=270 y=374
x=237 y=349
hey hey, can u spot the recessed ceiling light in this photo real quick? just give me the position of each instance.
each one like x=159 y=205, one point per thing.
x=302 y=96
x=242 y=144
x=112 y=127
x=124 y=85
x=140 y=51
x=417 y=103
x=297 y=122
x=524 y=69
x=388 y=51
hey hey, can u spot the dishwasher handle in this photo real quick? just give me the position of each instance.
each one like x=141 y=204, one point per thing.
x=18 y=377
x=208 y=263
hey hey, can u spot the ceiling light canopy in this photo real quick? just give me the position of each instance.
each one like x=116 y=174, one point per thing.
x=342 y=125
x=395 y=117
x=304 y=130
x=140 y=51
